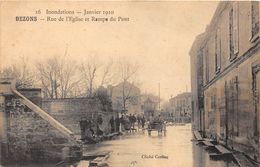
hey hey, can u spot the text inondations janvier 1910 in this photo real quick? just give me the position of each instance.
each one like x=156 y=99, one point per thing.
x=73 y=16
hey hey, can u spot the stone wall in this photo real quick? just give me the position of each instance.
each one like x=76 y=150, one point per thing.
x=33 y=94
x=70 y=111
x=30 y=138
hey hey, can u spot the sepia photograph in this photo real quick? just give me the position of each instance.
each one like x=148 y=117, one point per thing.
x=129 y=83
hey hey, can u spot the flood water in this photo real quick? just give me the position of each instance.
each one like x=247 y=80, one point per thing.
x=141 y=150
x=173 y=150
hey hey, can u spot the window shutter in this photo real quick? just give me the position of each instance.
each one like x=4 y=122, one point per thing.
x=258 y=15
x=254 y=21
x=219 y=49
x=235 y=27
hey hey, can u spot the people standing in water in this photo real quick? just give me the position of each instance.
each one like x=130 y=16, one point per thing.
x=143 y=122
x=83 y=124
x=117 y=121
x=99 y=123
x=112 y=124
x=133 y=121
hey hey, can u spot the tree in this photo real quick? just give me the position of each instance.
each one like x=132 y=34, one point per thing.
x=127 y=73
x=67 y=77
x=107 y=75
x=47 y=74
x=102 y=94
x=57 y=76
x=21 y=72
x=96 y=73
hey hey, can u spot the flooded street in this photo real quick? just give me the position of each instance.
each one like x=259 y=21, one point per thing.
x=173 y=150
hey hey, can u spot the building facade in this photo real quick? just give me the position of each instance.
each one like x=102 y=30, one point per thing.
x=125 y=97
x=149 y=108
x=180 y=107
x=225 y=64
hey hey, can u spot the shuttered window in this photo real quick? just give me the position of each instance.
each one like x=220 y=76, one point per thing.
x=217 y=51
x=254 y=23
x=233 y=31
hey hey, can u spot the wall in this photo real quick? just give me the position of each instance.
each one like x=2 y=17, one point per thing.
x=231 y=107
x=70 y=111
x=30 y=138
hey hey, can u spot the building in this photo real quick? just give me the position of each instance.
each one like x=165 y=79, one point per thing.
x=180 y=107
x=197 y=102
x=225 y=64
x=149 y=108
x=126 y=97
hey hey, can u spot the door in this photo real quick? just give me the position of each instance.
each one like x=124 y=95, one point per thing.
x=257 y=105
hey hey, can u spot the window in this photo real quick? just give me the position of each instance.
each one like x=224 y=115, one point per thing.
x=206 y=65
x=217 y=51
x=233 y=31
x=213 y=102
x=254 y=20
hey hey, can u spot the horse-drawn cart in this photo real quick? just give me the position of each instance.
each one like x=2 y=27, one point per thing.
x=157 y=126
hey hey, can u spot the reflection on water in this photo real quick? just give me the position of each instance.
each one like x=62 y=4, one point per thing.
x=173 y=150
x=140 y=150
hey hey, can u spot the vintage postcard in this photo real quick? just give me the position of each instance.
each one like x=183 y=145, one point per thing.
x=129 y=83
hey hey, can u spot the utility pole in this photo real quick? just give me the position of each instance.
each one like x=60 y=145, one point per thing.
x=159 y=97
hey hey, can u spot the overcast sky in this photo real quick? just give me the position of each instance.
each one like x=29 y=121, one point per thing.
x=158 y=36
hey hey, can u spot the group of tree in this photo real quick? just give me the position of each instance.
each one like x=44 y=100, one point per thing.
x=63 y=77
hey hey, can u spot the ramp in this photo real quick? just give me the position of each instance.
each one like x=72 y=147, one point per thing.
x=242 y=160
x=222 y=149
x=197 y=135
x=222 y=153
x=208 y=144
x=65 y=131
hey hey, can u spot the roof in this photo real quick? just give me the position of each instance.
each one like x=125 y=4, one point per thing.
x=148 y=100
x=127 y=84
x=185 y=94
x=201 y=38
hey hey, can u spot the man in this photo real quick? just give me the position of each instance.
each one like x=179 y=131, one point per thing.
x=151 y=118
x=112 y=124
x=99 y=123
x=133 y=121
x=83 y=126
x=117 y=123
x=158 y=118
x=143 y=122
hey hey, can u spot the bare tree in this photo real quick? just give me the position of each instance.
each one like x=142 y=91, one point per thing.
x=67 y=77
x=127 y=77
x=107 y=74
x=47 y=74
x=57 y=76
x=21 y=71
x=96 y=73
x=89 y=71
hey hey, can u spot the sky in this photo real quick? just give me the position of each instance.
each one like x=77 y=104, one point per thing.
x=158 y=36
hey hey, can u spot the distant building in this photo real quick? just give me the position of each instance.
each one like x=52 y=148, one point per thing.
x=126 y=97
x=180 y=107
x=149 y=107
x=225 y=65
